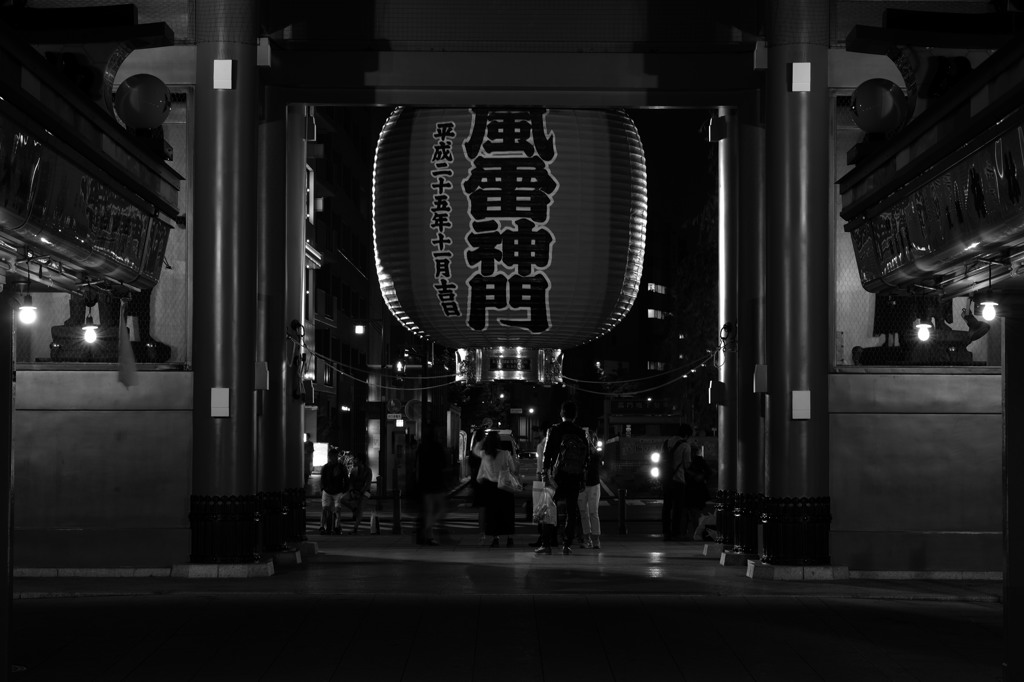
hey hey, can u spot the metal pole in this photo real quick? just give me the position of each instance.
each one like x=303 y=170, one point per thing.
x=1013 y=444
x=7 y=474
x=797 y=203
x=294 y=285
x=271 y=348
x=750 y=331
x=728 y=297
x=224 y=211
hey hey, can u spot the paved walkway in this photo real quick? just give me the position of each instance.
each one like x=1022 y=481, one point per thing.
x=380 y=608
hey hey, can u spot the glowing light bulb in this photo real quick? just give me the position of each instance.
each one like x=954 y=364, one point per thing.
x=988 y=310
x=655 y=472
x=924 y=331
x=89 y=329
x=655 y=457
x=27 y=313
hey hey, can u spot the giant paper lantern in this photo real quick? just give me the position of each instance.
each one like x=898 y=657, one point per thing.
x=510 y=234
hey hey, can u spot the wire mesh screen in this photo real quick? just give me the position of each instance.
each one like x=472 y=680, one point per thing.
x=885 y=329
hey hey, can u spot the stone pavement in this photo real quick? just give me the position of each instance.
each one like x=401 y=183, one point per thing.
x=379 y=608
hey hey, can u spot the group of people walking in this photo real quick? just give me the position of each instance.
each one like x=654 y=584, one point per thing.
x=570 y=469
x=569 y=473
x=345 y=483
x=342 y=484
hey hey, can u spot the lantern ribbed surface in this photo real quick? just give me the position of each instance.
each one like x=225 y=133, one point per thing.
x=509 y=227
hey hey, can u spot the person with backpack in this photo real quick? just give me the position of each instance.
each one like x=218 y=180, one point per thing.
x=676 y=457
x=566 y=455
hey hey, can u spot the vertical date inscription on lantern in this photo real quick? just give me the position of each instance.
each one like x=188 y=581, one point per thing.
x=442 y=160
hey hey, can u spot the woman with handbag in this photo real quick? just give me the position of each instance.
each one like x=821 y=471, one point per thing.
x=499 y=505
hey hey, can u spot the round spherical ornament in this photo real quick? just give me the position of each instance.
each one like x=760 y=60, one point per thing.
x=142 y=101
x=511 y=227
x=879 y=106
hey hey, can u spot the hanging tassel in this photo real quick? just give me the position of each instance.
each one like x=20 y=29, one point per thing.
x=126 y=371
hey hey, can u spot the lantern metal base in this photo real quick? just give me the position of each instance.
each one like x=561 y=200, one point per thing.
x=510 y=363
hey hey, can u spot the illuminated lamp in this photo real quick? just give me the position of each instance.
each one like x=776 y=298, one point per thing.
x=924 y=330
x=509 y=234
x=89 y=330
x=27 y=313
x=988 y=306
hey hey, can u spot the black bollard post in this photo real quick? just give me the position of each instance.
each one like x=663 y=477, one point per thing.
x=622 y=511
